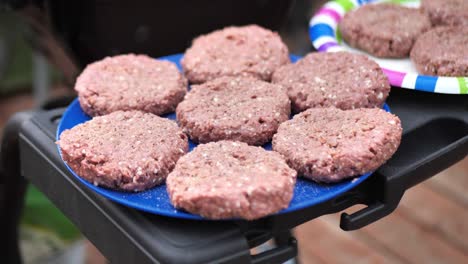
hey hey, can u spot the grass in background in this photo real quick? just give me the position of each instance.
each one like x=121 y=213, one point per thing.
x=16 y=63
x=15 y=55
x=16 y=75
x=41 y=214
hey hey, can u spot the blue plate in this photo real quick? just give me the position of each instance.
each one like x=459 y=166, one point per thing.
x=156 y=200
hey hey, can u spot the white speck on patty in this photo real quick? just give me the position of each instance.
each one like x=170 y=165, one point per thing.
x=319 y=80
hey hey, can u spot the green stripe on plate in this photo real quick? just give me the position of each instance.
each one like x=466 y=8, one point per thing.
x=338 y=35
x=346 y=4
x=463 y=82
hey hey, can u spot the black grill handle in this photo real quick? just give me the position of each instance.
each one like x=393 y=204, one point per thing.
x=385 y=189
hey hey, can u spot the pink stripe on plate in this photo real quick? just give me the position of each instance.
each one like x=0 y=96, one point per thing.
x=331 y=13
x=395 y=78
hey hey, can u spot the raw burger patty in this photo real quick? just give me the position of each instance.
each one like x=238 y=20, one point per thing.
x=446 y=12
x=384 y=30
x=343 y=80
x=129 y=151
x=235 y=51
x=130 y=82
x=229 y=179
x=329 y=144
x=235 y=108
x=442 y=51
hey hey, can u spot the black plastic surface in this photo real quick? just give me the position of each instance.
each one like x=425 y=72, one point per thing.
x=156 y=28
x=12 y=188
x=122 y=234
x=435 y=136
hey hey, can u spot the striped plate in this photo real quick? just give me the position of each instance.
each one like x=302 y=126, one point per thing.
x=401 y=73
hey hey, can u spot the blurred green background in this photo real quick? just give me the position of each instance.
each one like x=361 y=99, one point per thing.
x=15 y=56
x=44 y=229
x=39 y=213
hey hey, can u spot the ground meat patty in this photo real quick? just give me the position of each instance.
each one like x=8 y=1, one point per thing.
x=384 y=30
x=343 y=80
x=234 y=108
x=130 y=82
x=129 y=151
x=442 y=51
x=235 y=51
x=329 y=144
x=229 y=179
x=446 y=12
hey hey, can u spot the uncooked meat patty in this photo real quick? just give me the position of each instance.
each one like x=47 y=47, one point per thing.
x=229 y=179
x=235 y=51
x=329 y=144
x=442 y=51
x=384 y=30
x=130 y=82
x=234 y=108
x=343 y=80
x=446 y=12
x=129 y=151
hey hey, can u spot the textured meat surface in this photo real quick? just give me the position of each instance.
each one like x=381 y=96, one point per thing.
x=235 y=51
x=329 y=144
x=130 y=82
x=442 y=51
x=384 y=30
x=446 y=12
x=339 y=79
x=234 y=108
x=129 y=151
x=228 y=179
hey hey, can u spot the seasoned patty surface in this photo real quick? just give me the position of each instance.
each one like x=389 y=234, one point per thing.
x=333 y=79
x=442 y=51
x=234 y=108
x=329 y=144
x=446 y=12
x=384 y=30
x=228 y=179
x=129 y=151
x=235 y=51
x=130 y=82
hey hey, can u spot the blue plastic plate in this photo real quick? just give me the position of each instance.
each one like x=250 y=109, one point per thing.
x=156 y=200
